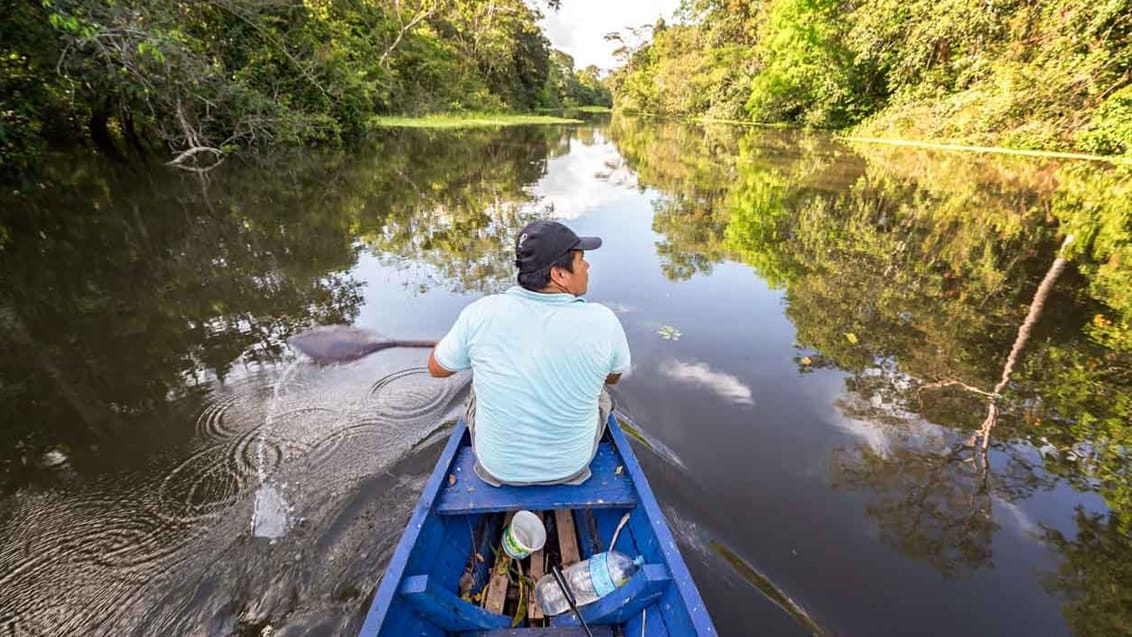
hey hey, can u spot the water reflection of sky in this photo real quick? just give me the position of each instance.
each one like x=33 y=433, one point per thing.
x=755 y=437
x=590 y=177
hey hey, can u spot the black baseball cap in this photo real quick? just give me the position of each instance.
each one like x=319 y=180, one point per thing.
x=541 y=243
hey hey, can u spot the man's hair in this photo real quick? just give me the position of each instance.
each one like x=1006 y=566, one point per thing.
x=538 y=280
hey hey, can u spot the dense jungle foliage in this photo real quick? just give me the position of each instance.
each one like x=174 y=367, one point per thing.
x=139 y=76
x=1040 y=74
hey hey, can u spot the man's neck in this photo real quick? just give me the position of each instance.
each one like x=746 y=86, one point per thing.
x=550 y=289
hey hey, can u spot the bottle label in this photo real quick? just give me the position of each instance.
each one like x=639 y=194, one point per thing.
x=599 y=575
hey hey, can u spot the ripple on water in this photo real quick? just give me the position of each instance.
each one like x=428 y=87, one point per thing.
x=245 y=456
x=83 y=560
x=373 y=442
x=235 y=406
x=80 y=560
x=409 y=394
x=329 y=445
x=135 y=541
x=213 y=479
x=204 y=484
x=302 y=427
x=216 y=422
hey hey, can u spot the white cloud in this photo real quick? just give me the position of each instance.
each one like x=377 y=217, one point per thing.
x=579 y=26
x=725 y=385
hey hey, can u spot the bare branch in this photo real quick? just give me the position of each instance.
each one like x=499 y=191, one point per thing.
x=950 y=383
x=185 y=155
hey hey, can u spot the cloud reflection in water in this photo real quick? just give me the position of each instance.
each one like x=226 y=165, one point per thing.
x=725 y=385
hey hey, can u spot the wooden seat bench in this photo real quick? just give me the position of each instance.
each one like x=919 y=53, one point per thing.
x=609 y=486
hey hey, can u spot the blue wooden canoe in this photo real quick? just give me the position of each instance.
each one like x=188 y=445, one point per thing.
x=459 y=516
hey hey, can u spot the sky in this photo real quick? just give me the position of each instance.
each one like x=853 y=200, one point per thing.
x=577 y=28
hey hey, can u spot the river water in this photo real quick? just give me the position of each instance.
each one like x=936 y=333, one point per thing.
x=815 y=328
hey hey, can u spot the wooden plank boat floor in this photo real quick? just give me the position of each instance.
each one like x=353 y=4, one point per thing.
x=496 y=594
x=567 y=537
x=501 y=594
x=537 y=569
x=463 y=492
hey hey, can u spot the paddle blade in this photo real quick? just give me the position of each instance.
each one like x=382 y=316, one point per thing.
x=337 y=343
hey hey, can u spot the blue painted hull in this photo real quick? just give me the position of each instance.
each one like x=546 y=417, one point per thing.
x=453 y=521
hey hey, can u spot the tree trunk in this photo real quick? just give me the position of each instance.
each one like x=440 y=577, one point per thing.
x=131 y=133
x=100 y=134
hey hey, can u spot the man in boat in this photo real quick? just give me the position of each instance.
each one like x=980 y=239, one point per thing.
x=540 y=357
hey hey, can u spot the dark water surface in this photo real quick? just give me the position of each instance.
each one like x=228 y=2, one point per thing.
x=814 y=330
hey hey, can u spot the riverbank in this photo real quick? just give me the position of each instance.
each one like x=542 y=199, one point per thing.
x=860 y=134
x=466 y=120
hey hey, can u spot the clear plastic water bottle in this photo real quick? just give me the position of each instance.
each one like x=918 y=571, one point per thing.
x=589 y=580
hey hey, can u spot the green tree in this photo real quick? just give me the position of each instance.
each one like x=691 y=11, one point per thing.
x=195 y=81
x=809 y=75
x=1052 y=74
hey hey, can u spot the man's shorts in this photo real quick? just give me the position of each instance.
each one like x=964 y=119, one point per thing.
x=604 y=407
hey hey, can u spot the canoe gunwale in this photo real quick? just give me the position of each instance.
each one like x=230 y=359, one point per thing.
x=388 y=588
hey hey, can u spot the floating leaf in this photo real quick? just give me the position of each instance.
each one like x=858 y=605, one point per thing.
x=807 y=361
x=669 y=333
x=851 y=337
x=620 y=468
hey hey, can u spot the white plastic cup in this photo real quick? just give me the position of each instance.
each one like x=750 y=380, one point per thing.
x=524 y=535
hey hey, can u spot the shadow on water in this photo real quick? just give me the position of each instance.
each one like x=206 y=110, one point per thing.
x=655 y=447
x=761 y=582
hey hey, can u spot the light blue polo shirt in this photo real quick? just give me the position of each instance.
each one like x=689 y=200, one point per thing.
x=539 y=363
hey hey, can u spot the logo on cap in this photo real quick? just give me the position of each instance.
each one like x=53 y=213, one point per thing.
x=522 y=239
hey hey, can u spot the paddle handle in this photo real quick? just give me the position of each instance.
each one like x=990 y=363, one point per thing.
x=569 y=595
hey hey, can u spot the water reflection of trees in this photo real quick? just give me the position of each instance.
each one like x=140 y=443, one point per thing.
x=913 y=271
x=691 y=166
x=457 y=201
x=1095 y=577
x=123 y=289
x=933 y=495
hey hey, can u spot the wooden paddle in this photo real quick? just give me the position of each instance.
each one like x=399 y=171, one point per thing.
x=343 y=343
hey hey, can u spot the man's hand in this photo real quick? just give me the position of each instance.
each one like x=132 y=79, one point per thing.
x=434 y=368
x=609 y=380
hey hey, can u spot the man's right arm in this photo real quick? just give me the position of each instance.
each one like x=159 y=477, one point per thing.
x=452 y=349
x=437 y=370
